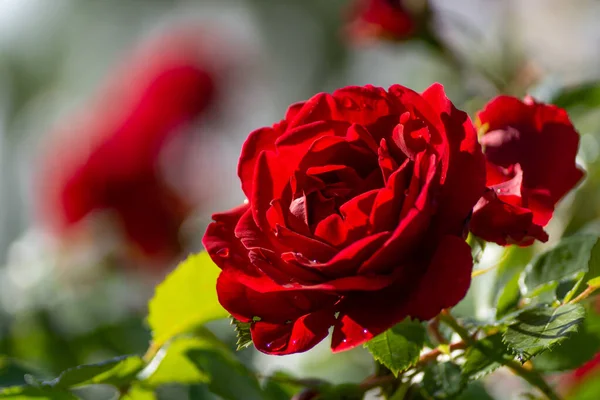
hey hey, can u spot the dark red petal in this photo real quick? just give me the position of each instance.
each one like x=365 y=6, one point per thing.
x=419 y=107
x=385 y=214
x=332 y=230
x=336 y=150
x=500 y=222
x=278 y=306
x=358 y=134
x=363 y=105
x=505 y=111
x=311 y=248
x=281 y=271
x=387 y=163
x=448 y=276
x=270 y=178
x=293 y=110
x=320 y=107
x=299 y=335
x=219 y=239
x=355 y=213
x=248 y=233
x=414 y=221
x=299 y=139
x=348 y=261
x=464 y=182
x=258 y=141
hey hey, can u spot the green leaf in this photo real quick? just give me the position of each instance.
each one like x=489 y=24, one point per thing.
x=567 y=263
x=443 y=380
x=589 y=389
x=574 y=351
x=187 y=298
x=541 y=328
x=278 y=386
x=202 y=359
x=242 y=329
x=593 y=272
x=35 y=393
x=228 y=377
x=505 y=292
x=477 y=247
x=475 y=391
x=399 y=347
x=117 y=372
x=138 y=392
x=12 y=372
x=171 y=364
x=485 y=357
x=582 y=95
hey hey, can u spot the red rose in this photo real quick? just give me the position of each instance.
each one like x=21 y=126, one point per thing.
x=108 y=159
x=530 y=151
x=392 y=19
x=356 y=216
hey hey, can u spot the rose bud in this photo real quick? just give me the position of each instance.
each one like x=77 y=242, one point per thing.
x=389 y=19
x=356 y=213
x=530 y=151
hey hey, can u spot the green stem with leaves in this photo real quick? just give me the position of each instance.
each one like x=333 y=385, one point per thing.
x=531 y=376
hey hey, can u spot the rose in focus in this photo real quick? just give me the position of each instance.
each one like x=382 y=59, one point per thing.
x=530 y=151
x=357 y=211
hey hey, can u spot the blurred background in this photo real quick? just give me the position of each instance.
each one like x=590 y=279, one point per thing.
x=121 y=124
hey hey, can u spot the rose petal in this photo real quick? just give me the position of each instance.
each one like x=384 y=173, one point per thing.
x=464 y=182
x=448 y=276
x=244 y=303
x=257 y=142
x=497 y=221
x=385 y=215
x=299 y=335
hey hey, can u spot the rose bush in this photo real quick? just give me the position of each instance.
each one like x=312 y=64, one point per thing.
x=356 y=217
x=530 y=151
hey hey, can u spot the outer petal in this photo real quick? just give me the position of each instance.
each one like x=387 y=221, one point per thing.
x=258 y=141
x=415 y=218
x=245 y=303
x=295 y=337
x=497 y=221
x=219 y=239
x=464 y=182
x=505 y=111
x=444 y=284
x=348 y=261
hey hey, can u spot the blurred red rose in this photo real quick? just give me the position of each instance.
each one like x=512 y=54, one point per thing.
x=569 y=383
x=108 y=158
x=356 y=218
x=530 y=151
x=392 y=19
